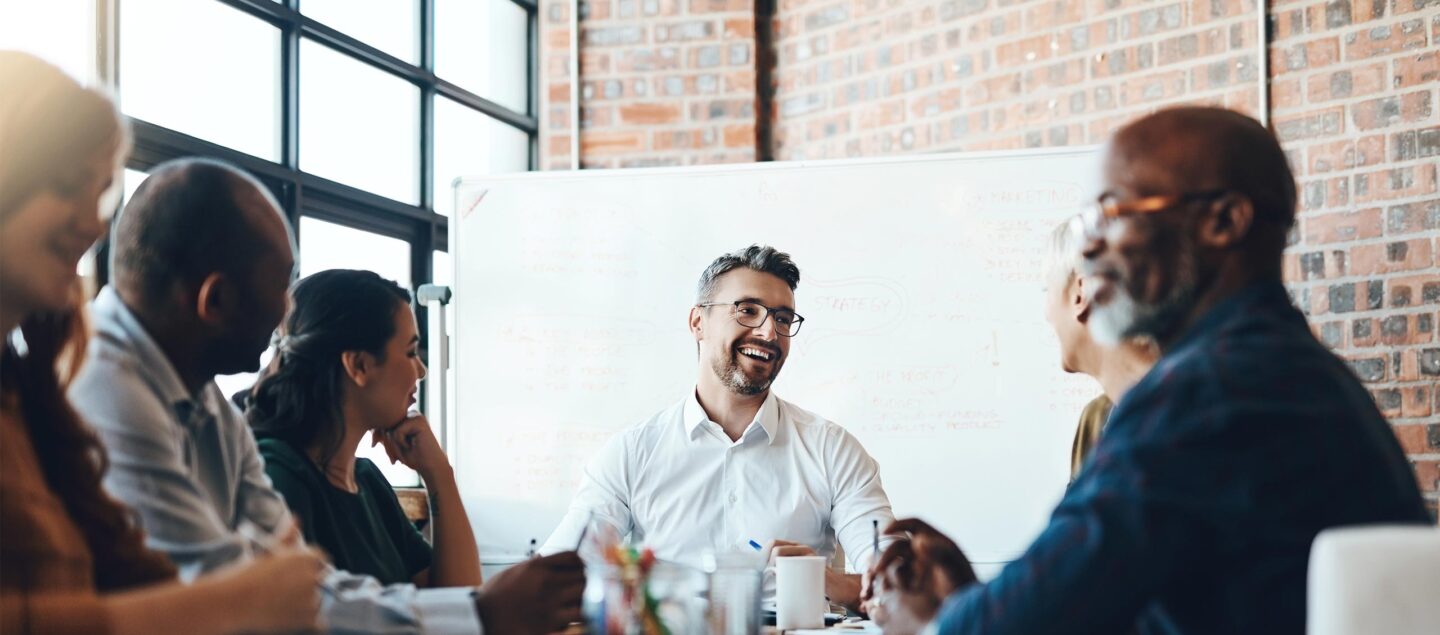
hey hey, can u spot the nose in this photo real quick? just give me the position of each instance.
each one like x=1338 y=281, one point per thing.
x=424 y=371
x=766 y=329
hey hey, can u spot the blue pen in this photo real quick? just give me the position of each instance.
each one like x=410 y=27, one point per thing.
x=756 y=546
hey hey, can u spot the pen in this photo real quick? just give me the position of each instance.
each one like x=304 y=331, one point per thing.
x=756 y=546
x=875 y=540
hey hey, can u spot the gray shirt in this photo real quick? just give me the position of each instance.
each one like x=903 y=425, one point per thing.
x=188 y=464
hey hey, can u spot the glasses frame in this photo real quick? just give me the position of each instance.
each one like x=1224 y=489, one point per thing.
x=1108 y=206
x=735 y=314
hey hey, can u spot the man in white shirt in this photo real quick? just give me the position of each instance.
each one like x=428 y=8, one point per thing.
x=732 y=463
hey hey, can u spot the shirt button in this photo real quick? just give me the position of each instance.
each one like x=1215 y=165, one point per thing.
x=733 y=498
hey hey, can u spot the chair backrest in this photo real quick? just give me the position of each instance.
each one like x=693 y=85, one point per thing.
x=1375 y=579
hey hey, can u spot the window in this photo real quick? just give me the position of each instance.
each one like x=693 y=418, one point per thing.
x=358 y=124
x=325 y=101
x=60 y=31
x=217 y=79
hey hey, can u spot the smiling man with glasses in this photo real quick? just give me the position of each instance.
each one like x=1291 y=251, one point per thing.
x=731 y=463
x=1198 y=508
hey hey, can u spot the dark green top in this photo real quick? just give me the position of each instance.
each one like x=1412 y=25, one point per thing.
x=364 y=533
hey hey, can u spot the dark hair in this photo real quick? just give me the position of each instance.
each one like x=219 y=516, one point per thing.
x=762 y=258
x=51 y=125
x=297 y=399
x=183 y=223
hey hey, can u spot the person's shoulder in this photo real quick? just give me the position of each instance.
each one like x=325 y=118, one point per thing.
x=651 y=428
x=370 y=478
x=282 y=457
x=110 y=391
x=809 y=424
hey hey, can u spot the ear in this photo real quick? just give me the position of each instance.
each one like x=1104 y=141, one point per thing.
x=215 y=300
x=697 y=322
x=1227 y=222
x=358 y=366
x=1077 y=295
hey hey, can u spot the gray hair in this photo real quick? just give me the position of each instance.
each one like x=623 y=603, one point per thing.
x=1063 y=258
x=762 y=258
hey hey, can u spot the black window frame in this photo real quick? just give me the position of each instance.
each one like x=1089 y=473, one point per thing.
x=304 y=194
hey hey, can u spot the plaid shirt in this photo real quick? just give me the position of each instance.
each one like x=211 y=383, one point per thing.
x=1214 y=475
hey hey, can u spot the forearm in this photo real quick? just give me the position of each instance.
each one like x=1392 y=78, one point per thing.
x=457 y=559
x=204 y=608
x=843 y=589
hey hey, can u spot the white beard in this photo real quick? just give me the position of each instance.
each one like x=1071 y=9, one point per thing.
x=1111 y=322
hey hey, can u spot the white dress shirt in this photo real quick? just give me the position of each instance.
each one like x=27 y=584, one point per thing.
x=677 y=484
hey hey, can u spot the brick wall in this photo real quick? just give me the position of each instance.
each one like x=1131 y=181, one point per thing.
x=1353 y=97
x=662 y=82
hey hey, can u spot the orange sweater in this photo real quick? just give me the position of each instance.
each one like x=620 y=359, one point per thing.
x=47 y=582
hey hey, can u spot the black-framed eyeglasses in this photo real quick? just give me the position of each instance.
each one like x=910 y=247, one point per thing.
x=751 y=314
x=1098 y=215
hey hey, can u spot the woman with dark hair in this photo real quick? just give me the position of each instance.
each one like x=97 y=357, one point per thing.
x=347 y=366
x=72 y=561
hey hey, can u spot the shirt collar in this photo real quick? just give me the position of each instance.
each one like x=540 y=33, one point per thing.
x=768 y=417
x=119 y=325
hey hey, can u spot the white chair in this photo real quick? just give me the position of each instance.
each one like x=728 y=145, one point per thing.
x=1381 y=579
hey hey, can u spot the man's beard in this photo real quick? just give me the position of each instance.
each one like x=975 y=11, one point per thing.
x=728 y=370
x=1123 y=317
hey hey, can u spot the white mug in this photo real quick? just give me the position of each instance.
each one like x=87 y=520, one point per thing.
x=800 y=592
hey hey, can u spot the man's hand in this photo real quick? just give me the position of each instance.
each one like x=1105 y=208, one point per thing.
x=841 y=588
x=905 y=588
x=535 y=597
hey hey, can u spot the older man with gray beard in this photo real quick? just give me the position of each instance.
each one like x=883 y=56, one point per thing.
x=732 y=463
x=1219 y=468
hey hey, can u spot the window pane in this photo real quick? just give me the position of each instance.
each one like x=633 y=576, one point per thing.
x=326 y=245
x=61 y=32
x=204 y=69
x=482 y=46
x=392 y=26
x=468 y=143
x=358 y=125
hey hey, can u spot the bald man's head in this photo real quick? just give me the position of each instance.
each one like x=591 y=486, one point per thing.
x=202 y=244
x=1198 y=201
x=1198 y=149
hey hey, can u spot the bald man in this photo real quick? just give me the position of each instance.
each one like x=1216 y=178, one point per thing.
x=1218 y=469
x=202 y=260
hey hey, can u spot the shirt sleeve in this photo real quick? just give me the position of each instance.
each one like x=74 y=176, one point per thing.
x=1137 y=515
x=604 y=496
x=148 y=473
x=360 y=605
x=859 y=503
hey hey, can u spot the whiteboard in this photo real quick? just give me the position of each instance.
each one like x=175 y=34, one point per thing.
x=924 y=333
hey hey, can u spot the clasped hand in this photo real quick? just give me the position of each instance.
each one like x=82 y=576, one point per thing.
x=903 y=591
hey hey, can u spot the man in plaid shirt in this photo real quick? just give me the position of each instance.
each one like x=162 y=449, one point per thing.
x=1218 y=469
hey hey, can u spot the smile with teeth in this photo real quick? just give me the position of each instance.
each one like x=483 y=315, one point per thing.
x=755 y=353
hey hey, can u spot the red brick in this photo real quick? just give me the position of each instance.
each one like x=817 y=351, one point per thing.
x=604 y=143
x=1348 y=82
x=1419 y=70
x=1373 y=259
x=649 y=113
x=1419 y=439
x=1386 y=111
x=721 y=6
x=740 y=136
x=1393 y=183
x=1385 y=39
x=1427 y=473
